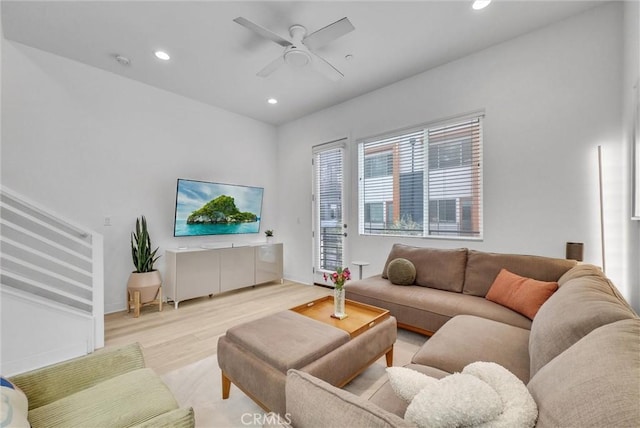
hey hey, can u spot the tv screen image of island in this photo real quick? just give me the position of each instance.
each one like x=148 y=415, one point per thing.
x=204 y=208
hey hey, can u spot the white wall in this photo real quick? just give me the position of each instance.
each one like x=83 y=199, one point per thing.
x=61 y=333
x=90 y=144
x=630 y=89
x=550 y=97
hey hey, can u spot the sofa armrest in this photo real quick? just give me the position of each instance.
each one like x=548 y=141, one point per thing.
x=312 y=402
x=48 y=384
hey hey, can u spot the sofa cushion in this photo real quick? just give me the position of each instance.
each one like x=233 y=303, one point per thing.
x=428 y=308
x=482 y=268
x=523 y=295
x=401 y=272
x=124 y=400
x=580 y=271
x=595 y=382
x=578 y=307
x=587 y=270
x=467 y=339
x=264 y=338
x=48 y=384
x=312 y=402
x=178 y=418
x=435 y=268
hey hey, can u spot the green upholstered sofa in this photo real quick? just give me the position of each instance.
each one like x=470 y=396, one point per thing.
x=108 y=388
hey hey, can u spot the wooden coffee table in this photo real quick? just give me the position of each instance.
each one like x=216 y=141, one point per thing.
x=361 y=317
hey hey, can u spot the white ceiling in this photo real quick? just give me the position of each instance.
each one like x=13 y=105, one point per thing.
x=214 y=60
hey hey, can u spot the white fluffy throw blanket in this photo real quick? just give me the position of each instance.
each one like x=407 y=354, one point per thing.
x=484 y=395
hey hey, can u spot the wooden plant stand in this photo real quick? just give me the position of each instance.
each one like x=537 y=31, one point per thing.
x=133 y=300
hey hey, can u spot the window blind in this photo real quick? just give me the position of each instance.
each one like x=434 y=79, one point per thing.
x=454 y=179
x=328 y=170
x=423 y=182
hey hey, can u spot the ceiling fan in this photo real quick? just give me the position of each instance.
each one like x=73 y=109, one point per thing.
x=298 y=51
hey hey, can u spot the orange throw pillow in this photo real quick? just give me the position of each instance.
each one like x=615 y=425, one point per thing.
x=523 y=295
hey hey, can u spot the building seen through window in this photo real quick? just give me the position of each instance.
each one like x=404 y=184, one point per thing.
x=430 y=173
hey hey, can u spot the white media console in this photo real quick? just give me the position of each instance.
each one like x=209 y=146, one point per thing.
x=197 y=272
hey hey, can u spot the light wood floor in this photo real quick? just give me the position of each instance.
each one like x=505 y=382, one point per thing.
x=172 y=339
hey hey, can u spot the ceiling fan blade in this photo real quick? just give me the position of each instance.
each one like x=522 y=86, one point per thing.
x=271 y=67
x=328 y=34
x=267 y=34
x=324 y=67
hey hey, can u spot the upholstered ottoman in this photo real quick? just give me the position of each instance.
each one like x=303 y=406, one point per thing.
x=255 y=356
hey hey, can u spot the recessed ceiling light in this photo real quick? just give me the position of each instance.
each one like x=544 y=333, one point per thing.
x=272 y=101
x=348 y=57
x=162 y=55
x=480 y=4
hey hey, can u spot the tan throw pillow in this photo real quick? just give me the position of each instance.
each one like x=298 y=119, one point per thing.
x=401 y=272
x=523 y=295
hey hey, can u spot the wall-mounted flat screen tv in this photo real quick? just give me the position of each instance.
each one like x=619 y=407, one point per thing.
x=205 y=208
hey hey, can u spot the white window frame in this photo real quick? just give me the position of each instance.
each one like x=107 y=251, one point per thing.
x=477 y=169
x=340 y=146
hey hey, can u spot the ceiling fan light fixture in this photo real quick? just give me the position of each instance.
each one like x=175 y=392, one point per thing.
x=162 y=55
x=300 y=49
x=297 y=57
x=480 y=4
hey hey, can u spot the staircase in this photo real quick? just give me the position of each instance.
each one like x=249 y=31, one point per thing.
x=52 y=286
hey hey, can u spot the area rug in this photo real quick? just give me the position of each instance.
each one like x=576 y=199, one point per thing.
x=198 y=385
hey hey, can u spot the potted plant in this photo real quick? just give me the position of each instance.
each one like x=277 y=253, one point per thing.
x=269 y=234
x=145 y=278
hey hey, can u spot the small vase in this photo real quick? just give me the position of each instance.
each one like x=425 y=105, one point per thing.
x=338 y=303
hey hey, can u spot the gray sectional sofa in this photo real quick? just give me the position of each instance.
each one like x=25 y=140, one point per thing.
x=579 y=357
x=449 y=283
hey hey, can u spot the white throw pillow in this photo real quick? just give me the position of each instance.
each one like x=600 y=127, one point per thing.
x=454 y=401
x=406 y=383
x=520 y=409
x=484 y=395
x=13 y=405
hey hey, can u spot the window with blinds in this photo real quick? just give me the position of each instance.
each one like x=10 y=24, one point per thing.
x=328 y=166
x=423 y=182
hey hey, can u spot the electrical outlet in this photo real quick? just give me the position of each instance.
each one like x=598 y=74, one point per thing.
x=107 y=221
